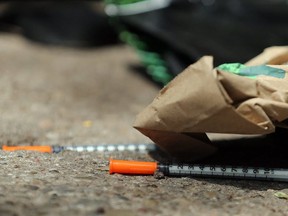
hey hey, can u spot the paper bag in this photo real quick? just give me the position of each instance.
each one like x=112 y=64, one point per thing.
x=205 y=99
x=277 y=55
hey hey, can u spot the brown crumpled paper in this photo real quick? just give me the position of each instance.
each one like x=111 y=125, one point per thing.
x=203 y=99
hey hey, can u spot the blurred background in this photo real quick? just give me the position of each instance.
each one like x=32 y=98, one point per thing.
x=167 y=35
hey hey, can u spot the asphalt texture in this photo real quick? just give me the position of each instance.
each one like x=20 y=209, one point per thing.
x=64 y=96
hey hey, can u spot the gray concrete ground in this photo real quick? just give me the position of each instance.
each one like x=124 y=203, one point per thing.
x=68 y=97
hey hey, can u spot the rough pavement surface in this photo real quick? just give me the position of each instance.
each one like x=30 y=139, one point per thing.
x=64 y=96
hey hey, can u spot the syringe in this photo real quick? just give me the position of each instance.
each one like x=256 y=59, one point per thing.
x=142 y=148
x=196 y=170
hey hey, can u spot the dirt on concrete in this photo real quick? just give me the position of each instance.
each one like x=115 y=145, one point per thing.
x=64 y=96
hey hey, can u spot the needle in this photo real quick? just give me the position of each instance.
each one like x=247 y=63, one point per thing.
x=142 y=148
x=196 y=170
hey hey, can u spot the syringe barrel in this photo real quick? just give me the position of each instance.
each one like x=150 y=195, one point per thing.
x=164 y=169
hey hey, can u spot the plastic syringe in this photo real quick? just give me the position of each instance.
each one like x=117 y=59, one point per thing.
x=142 y=148
x=196 y=170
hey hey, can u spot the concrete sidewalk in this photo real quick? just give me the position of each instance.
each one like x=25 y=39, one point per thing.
x=65 y=96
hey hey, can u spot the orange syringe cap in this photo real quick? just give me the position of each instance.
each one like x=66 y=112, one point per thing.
x=132 y=167
x=45 y=149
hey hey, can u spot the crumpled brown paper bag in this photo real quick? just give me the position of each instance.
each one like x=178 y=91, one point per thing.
x=203 y=99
